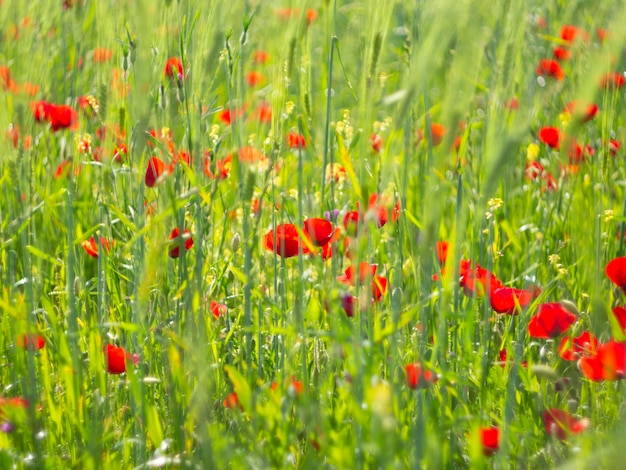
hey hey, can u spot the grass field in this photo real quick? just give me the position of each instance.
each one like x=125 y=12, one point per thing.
x=312 y=234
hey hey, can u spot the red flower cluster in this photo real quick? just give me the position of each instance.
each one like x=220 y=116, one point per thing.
x=569 y=34
x=31 y=341
x=612 y=80
x=580 y=111
x=59 y=116
x=378 y=211
x=435 y=136
x=295 y=140
x=418 y=377
x=572 y=349
x=367 y=274
x=285 y=239
x=551 y=68
x=91 y=245
x=477 y=281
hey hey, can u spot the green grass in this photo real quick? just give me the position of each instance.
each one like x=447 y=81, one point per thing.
x=393 y=68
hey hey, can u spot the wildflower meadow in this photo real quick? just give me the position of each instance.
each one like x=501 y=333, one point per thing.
x=312 y=234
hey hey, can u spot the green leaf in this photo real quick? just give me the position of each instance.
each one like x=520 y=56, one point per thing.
x=45 y=256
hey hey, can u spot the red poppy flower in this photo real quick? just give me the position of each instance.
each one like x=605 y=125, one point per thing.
x=311 y=15
x=507 y=299
x=376 y=142
x=29 y=88
x=503 y=359
x=614 y=146
x=62 y=117
x=120 y=151
x=13 y=135
x=378 y=207
x=441 y=248
x=5 y=77
x=418 y=377
x=620 y=316
x=41 y=110
x=89 y=105
x=561 y=424
x=575 y=153
x=284 y=241
x=550 y=67
x=379 y=287
x=182 y=157
x=163 y=135
x=91 y=246
x=156 y=172
x=174 y=251
x=101 y=55
x=174 y=68
x=609 y=362
x=367 y=272
x=490 y=440
x=295 y=141
x=561 y=53
x=512 y=104
x=319 y=230
x=533 y=170
x=9 y=405
x=218 y=309
x=59 y=117
x=31 y=341
x=437 y=132
x=551 y=320
x=294 y=387
x=327 y=249
x=612 y=80
x=572 y=349
x=352 y=222
x=549 y=182
x=478 y=282
x=228 y=116
x=115 y=359
x=254 y=78
x=250 y=155
x=263 y=113
x=569 y=33
x=347 y=303
x=231 y=401
x=550 y=136
x=616 y=272
x=64 y=169
x=580 y=111
x=457 y=143
x=260 y=57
